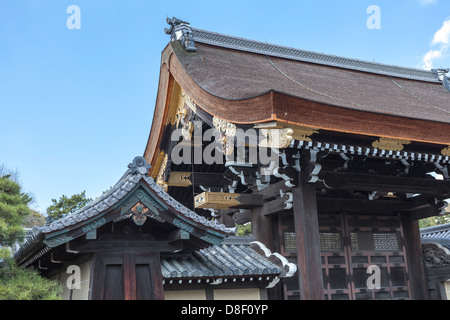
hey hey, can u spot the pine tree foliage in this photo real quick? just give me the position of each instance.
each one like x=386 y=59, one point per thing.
x=24 y=284
x=66 y=205
x=18 y=283
x=13 y=210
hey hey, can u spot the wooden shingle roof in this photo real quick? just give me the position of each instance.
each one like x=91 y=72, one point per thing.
x=246 y=82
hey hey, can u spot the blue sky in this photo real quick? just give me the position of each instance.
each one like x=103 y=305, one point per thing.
x=76 y=105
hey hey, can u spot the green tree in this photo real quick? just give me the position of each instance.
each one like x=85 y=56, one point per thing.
x=434 y=221
x=24 y=284
x=13 y=210
x=34 y=219
x=62 y=207
x=18 y=283
x=244 y=229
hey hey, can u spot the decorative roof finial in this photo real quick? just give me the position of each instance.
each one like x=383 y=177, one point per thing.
x=442 y=75
x=140 y=165
x=181 y=30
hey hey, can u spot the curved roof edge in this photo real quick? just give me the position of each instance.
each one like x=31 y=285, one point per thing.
x=53 y=234
x=182 y=30
x=230 y=42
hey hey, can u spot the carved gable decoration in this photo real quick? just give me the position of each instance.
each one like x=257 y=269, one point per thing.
x=137 y=197
x=435 y=255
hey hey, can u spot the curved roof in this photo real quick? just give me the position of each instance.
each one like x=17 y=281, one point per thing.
x=247 y=82
x=238 y=74
x=438 y=234
x=238 y=257
x=134 y=186
x=218 y=261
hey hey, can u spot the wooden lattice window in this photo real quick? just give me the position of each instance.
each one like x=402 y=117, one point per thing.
x=290 y=245
x=330 y=241
x=375 y=241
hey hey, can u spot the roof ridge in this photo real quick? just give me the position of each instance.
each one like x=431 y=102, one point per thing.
x=242 y=44
x=434 y=229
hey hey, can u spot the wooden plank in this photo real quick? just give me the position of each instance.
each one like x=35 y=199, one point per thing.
x=273 y=207
x=97 y=278
x=186 y=179
x=129 y=275
x=273 y=190
x=126 y=245
x=262 y=228
x=372 y=182
x=414 y=254
x=156 y=276
x=362 y=206
x=224 y=200
x=306 y=226
x=243 y=216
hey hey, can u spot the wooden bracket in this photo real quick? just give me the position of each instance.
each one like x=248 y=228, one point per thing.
x=223 y=200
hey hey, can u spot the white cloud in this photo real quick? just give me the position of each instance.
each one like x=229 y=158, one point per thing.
x=442 y=39
x=427 y=2
x=429 y=57
x=442 y=36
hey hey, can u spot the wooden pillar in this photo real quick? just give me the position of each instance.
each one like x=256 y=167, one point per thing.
x=262 y=228
x=413 y=246
x=307 y=236
x=129 y=275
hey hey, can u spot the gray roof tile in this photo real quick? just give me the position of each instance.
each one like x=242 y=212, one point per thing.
x=218 y=261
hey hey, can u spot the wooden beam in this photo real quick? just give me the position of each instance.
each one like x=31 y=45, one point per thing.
x=273 y=190
x=372 y=182
x=307 y=240
x=273 y=207
x=362 y=206
x=262 y=228
x=65 y=257
x=414 y=254
x=242 y=217
x=177 y=235
x=186 y=179
x=129 y=275
x=135 y=245
x=224 y=200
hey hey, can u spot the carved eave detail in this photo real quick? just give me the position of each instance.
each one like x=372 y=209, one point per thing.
x=161 y=173
x=276 y=138
x=300 y=133
x=216 y=200
x=435 y=255
x=390 y=144
x=228 y=131
x=446 y=151
x=156 y=168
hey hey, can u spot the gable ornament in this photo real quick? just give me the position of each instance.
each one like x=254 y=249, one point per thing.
x=390 y=144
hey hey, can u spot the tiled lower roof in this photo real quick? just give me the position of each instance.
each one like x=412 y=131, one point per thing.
x=439 y=234
x=224 y=261
x=218 y=261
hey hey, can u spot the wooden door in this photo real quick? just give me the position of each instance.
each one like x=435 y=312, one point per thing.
x=126 y=275
x=350 y=244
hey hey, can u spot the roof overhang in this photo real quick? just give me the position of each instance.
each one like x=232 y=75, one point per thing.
x=135 y=189
x=214 y=71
